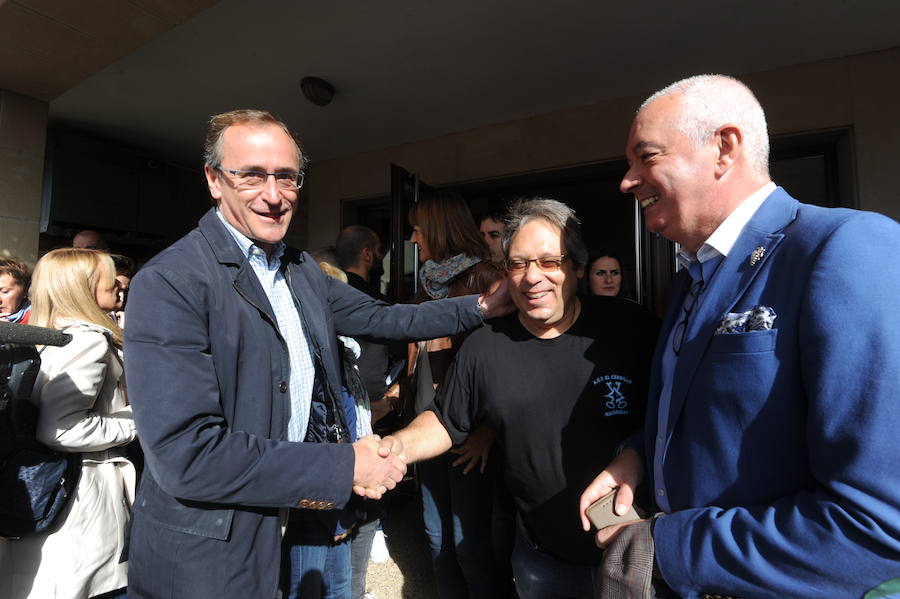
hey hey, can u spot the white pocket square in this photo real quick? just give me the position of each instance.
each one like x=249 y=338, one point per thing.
x=760 y=318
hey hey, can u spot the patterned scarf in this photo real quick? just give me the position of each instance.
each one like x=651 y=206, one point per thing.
x=21 y=315
x=436 y=277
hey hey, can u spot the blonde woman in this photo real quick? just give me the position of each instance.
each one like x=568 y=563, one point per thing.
x=80 y=393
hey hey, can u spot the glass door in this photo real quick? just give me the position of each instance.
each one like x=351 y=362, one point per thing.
x=406 y=189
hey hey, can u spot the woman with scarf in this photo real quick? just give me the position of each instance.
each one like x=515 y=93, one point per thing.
x=457 y=493
x=15 y=277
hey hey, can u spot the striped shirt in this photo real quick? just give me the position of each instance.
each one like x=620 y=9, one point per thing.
x=303 y=373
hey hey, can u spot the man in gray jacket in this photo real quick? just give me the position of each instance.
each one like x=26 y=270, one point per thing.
x=234 y=377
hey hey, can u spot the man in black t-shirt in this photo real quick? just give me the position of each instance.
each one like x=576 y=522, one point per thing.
x=562 y=381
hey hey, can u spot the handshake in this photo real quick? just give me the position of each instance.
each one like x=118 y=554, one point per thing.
x=380 y=464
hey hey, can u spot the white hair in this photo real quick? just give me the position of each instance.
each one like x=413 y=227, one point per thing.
x=710 y=101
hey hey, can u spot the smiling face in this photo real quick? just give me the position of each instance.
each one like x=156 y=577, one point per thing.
x=11 y=295
x=261 y=214
x=671 y=179
x=546 y=301
x=492 y=233
x=605 y=276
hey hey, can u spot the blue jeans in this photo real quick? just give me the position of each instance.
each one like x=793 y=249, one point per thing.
x=360 y=550
x=456 y=508
x=539 y=575
x=312 y=565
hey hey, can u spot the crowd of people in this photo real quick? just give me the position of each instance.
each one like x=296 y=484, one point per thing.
x=278 y=396
x=83 y=408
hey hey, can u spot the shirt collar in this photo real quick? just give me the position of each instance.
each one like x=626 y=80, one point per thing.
x=723 y=238
x=246 y=244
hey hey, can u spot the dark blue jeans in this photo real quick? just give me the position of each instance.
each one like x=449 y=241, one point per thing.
x=539 y=575
x=312 y=565
x=456 y=508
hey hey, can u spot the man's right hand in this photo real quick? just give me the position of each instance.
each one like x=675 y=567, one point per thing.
x=375 y=470
x=425 y=437
x=623 y=473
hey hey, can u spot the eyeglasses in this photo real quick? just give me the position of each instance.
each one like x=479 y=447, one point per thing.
x=689 y=302
x=256 y=179
x=545 y=263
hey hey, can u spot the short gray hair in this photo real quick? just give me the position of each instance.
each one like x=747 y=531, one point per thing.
x=557 y=214
x=710 y=101
x=219 y=123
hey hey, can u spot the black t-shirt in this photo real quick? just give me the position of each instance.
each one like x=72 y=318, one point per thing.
x=559 y=406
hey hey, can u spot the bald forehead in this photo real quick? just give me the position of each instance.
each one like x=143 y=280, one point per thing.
x=260 y=139
x=656 y=125
x=663 y=112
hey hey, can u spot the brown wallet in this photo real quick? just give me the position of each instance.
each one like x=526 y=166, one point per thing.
x=601 y=513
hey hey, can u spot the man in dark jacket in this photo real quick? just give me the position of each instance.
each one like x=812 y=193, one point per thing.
x=358 y=251
x=234 y=377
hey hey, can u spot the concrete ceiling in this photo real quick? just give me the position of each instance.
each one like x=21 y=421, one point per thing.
x=49 y=46
x=407 y=70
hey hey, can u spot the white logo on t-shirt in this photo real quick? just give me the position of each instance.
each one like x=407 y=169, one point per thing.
x=617 y=403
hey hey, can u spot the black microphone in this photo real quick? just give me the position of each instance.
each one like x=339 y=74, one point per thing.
x=26 y=334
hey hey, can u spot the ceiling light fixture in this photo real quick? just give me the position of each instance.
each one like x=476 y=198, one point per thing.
x=318 y=91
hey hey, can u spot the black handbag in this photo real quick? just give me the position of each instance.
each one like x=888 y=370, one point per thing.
x=36 y=481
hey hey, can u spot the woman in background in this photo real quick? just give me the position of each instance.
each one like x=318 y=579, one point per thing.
x=604 y=274
x=15 y=277
x=125 y=269
x=80 y=393
x=456 y=494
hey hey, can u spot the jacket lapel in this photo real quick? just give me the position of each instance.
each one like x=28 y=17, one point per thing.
x=226 y=251
x=727 y=286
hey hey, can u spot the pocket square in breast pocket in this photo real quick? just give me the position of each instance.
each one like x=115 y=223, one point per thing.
x=760 y=318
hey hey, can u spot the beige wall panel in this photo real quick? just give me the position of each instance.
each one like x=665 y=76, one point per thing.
x=19 y=239
x=586 y=134
x=363 y=173
x=805 y=97
x=875 y=91
x=23 y=126
x=321 y=219
x=20 y=185
x=492 y=151
x=435 y=160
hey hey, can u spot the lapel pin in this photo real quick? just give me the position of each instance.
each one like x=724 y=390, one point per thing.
x=756 y=255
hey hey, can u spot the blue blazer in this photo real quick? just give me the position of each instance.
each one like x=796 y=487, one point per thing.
x=781 y=462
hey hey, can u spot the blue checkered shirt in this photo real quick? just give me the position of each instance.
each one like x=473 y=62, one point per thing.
x=303 y=372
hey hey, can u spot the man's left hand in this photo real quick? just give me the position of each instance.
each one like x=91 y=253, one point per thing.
x=476 y=448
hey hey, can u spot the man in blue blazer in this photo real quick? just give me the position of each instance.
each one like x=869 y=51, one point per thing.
x=770 y=443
